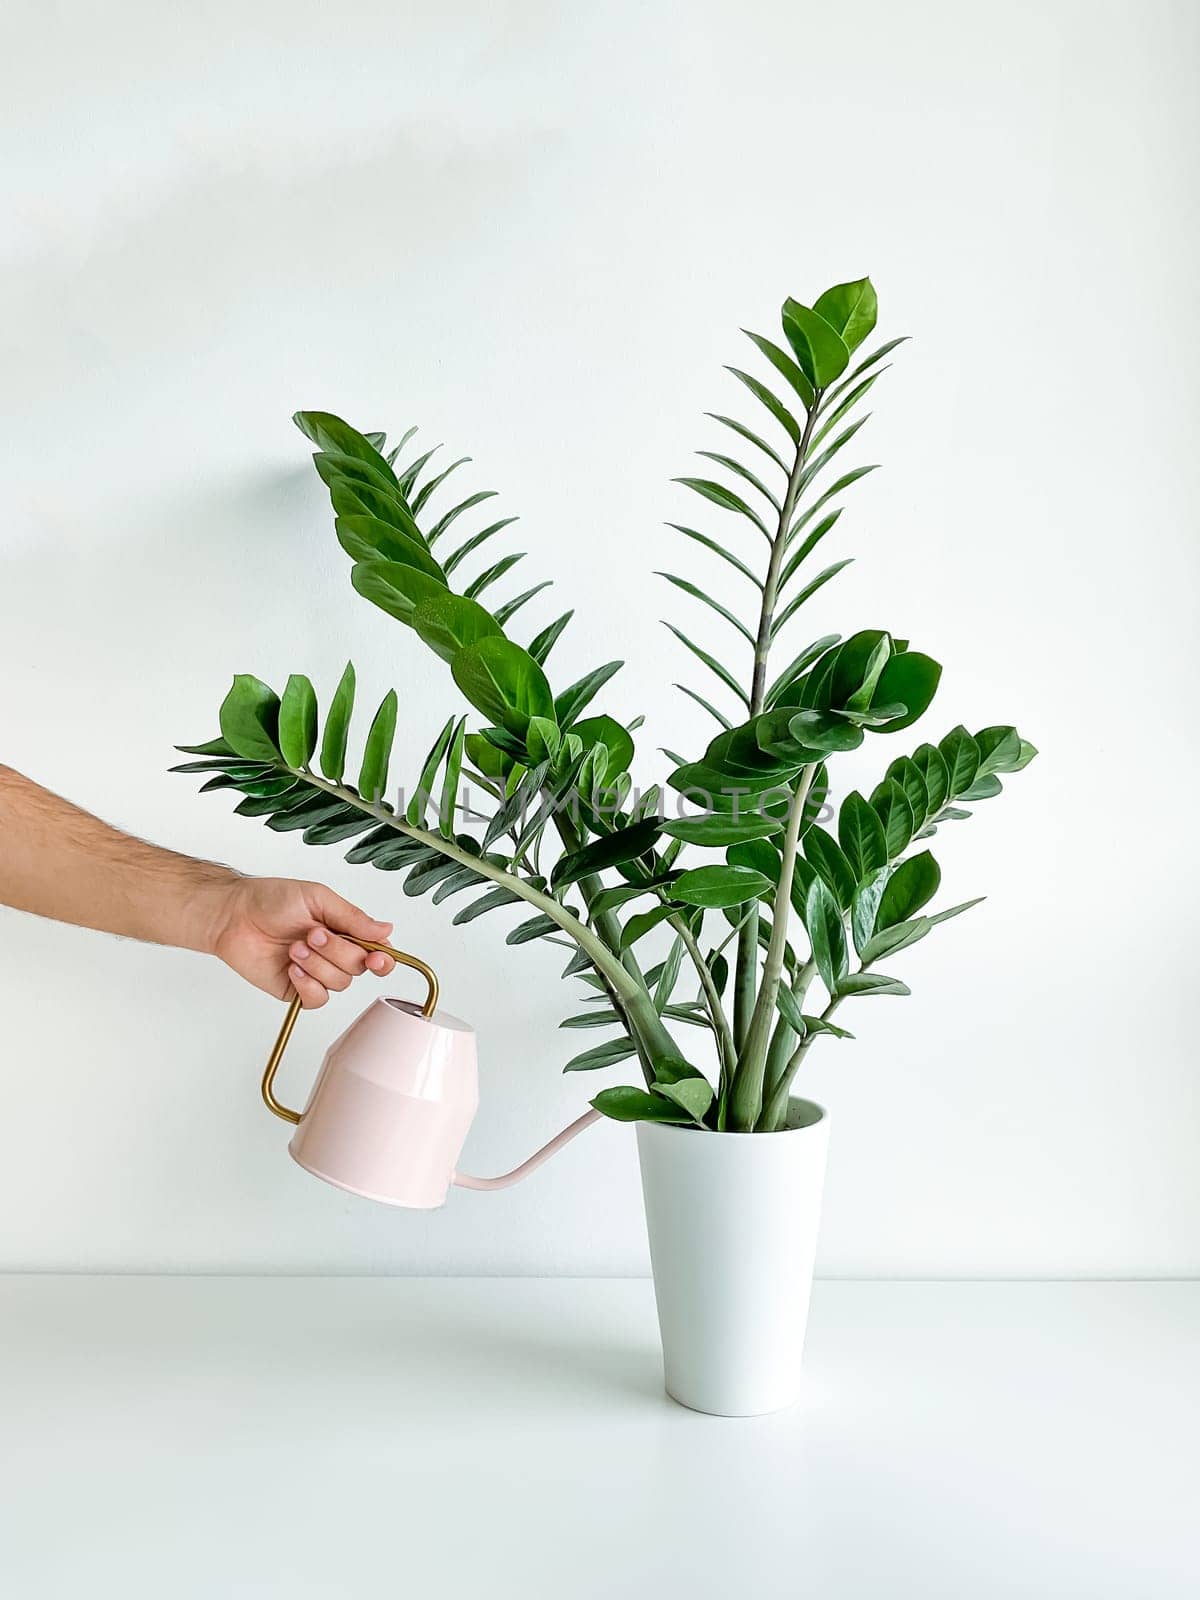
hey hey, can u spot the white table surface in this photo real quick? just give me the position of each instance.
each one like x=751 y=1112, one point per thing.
x=225 y=1437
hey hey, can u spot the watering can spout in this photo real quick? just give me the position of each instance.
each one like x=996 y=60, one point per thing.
x=395 y=1096
x=464 y=1180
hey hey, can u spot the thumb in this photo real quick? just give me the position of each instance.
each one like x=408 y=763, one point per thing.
x=339 y=916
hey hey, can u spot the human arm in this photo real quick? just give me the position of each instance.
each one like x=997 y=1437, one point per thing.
x=61 y=862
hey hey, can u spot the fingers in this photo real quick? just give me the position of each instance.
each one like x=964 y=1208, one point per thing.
x=344 y=953
x=312 y=995
x=342 y=917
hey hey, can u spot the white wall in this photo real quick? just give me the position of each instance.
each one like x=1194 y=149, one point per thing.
x=536 y=230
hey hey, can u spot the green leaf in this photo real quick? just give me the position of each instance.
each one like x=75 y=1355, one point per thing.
x=318 y=808
x=906 y=773
x=571 y=702
x=213 y=747
x=776 y=407
x=542 y=739
x=797 y=559
x=633 y=1105
x=697 y=593
x=823 y=920
x=865 y=908
x=504 y=682
x=669 y=976
x=408 y=478
x=464 y=878
x=913 y=885
x=890 y=804
x=831 y=862
x=369 y=538
x=488 y=902
x=820 y=350
x=335 y=437
x=337 y=727
x=787 y=679
x=872 y=360
x=610 y=899
x=961 y=755
x=719 y=886
x=450 y=782
x=450 y=623
x=693 y=1095
x=899 y=937
x=468 y=504
x=806 y=594
x=717 y=829
x=935 y=774
x=250 y=719
x=999 y=748
x=757 y=854
x=719 y=969
x=592 y=1019
x=861 y=835
x=751 y=438
x=639 y=926
x=956 y=911
x=337 y=471
x=493 y=574
x=511 y=607
x=377 y=752
x=426 y=874
x=789 y=1009
x=394 y=588
x=298 y=721
x=432 y=485
x=608 y=732
x=611 y=850
x=986 y=787
x=326 y=833
x=911 y=680
x=857 y=668
x=732 y=464
x=784 y=364
x=851 y=309
x=548 y=638
x=717 y=549
x=725 y=498
x=726 y=677
x=473 y=543
x=825 y=731
x=859 y=983
x=819 y=1025
x=415 y=814
x=364 y=496
x=602 y=1055
x=536 y=928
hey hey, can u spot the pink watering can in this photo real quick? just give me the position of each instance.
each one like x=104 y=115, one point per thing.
x=395 y=1096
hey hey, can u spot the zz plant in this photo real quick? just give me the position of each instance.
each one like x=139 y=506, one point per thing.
x=808 y=916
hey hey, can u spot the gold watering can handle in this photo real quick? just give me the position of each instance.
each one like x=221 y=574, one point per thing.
x=289 y=1022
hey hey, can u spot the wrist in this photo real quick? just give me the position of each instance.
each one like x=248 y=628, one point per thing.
x=210 y=907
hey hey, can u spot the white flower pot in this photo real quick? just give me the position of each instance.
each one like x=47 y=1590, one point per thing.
x=733 y=1221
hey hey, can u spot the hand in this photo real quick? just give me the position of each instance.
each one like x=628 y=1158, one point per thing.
x=281 y=934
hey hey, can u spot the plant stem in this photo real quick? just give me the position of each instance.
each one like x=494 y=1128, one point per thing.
x=716 y=1010
x=784 y=1038
x=745 y=975
x=776 y=1107
x=609 y=930
x=746 y=966
x=646 y=1026
x=766 y=616
x=746 y=1100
